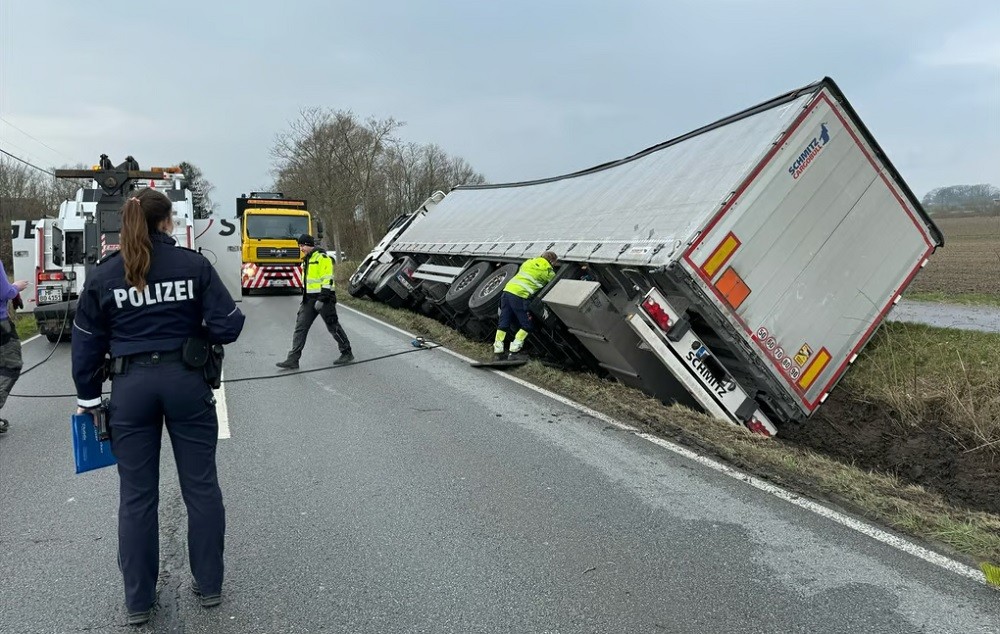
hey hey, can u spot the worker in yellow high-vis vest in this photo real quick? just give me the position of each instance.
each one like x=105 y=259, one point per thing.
x=531 y=278
x=319 y=299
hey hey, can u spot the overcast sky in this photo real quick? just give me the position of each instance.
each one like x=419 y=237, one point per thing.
x=521 y=89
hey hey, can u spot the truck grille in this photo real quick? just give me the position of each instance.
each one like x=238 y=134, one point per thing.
x=288 y=253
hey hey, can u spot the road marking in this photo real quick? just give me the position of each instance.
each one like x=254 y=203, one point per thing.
x=862 y=527
x=221 y=409
x=30 y=339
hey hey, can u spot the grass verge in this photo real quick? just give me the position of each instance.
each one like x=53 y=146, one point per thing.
x=26 y=325
x=883 y=497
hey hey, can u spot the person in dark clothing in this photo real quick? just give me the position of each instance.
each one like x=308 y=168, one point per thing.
x=140 y=305
x=319 y=299
x=10 y=344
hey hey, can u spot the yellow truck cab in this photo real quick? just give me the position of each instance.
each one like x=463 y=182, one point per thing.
x=269 y=226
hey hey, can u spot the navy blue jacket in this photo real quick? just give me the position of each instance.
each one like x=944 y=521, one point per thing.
x=184 y=297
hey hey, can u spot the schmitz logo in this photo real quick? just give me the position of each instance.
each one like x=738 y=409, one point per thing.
x=810 y=153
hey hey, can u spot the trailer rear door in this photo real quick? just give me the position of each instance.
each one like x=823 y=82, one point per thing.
x=813 y=250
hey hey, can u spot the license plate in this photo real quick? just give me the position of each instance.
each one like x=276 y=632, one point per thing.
x=50 y=295
x=279 y=283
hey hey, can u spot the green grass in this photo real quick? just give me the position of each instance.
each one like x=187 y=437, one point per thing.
x=948 y=376
x=963 y=299
x=900 y=351
x=25 y=324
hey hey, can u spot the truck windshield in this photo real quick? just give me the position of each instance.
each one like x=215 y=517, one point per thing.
x=264 y=227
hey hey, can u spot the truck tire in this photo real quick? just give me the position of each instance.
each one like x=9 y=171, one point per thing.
x=465 y=285
x=373 y=276
x=486 y=300
x=54 y=337
x=357 y=291
x=383 y=292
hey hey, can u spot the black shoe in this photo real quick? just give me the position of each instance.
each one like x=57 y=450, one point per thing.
x=139 y=618
x=288 y=365
x=346 y=357
x=517 y=356
x=206 y=600
x=3 y=425
x=499 y=356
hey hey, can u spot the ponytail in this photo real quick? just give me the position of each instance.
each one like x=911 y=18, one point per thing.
x=136 y=247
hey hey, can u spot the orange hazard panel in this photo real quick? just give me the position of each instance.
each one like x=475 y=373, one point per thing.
x=721 y=255
x=733 y=288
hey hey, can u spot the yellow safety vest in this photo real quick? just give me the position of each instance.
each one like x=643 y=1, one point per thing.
x=531 y=278
x=318 y=272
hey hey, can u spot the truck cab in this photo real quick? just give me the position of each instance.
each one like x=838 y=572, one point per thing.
x=269 y=227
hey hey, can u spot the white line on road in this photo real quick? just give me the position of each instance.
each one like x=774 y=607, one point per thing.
x=30 y=339
x=222 y=410
x=862 y=527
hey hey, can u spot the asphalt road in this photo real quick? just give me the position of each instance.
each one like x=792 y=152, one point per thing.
x=416 y=494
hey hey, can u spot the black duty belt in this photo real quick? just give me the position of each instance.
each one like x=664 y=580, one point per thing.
x=154 y=357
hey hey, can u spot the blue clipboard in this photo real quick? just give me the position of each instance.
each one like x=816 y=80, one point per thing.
x=88 y=451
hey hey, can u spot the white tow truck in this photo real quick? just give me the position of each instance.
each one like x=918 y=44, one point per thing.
x=739 y=268
x=55 y=254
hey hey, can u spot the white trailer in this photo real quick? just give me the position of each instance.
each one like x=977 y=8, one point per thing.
x=740 y=267
x=55 y=254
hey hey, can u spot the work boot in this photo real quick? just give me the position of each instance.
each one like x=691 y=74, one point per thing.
x=499 y=356
x=206 y=600
x=288 y=364
x=3 y=425
x=517 y=356
x=139 y=618
x=346 y=357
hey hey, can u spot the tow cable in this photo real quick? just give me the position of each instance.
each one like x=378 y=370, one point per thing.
x=55 y=347
x=419 y=344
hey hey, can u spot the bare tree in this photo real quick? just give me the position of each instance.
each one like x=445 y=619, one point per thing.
x=200 y=189
x=22 y=196
x=357 y=175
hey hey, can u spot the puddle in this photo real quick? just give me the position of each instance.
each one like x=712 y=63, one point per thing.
x=982 y=318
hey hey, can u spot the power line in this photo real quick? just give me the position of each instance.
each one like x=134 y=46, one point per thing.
x=17 y=158
x=34 y=139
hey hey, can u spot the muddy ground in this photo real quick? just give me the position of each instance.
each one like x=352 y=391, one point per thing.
x=869 y=436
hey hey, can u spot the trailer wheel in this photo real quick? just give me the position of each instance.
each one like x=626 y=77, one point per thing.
x=485 y=301
x=465 y=285
x=54 y=337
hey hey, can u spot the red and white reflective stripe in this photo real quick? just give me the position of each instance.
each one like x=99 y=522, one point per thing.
x=265 y=273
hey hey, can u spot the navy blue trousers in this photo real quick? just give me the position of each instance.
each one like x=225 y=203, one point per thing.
x=141 y=400
x=514 y=310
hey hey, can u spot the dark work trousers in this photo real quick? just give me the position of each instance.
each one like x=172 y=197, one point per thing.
x=304 y=321
x=141 y=399
x=10 y=359
x=514 y=310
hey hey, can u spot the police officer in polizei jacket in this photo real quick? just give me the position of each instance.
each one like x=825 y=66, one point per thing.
x=155 y=308
x=319 y=299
